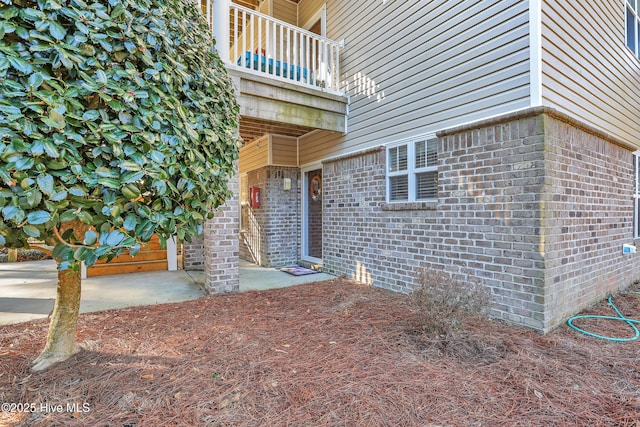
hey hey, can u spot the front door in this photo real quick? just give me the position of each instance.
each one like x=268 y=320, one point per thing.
x=312 y=215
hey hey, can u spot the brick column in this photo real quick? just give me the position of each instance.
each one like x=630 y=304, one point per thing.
x=221 y=250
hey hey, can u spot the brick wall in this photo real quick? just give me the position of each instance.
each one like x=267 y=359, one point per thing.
x=588 y=216
x=492 y=179
x=524 y=205
x=271 y=232
x=221 y=253
x=360 y=240
x=193 y=254
x=251 y=237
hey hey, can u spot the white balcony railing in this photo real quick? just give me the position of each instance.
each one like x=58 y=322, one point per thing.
x=260 y=44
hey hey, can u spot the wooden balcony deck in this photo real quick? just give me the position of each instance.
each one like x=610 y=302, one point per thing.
x=287 y=79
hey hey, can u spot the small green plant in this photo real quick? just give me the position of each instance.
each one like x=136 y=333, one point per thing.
x=441 y=302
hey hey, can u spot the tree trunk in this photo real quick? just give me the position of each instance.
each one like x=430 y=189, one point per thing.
x=61 y=339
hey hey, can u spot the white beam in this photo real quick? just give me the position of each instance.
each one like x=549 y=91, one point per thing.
x=221 y=27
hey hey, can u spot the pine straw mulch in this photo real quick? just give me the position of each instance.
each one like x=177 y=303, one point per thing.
x=324 y=354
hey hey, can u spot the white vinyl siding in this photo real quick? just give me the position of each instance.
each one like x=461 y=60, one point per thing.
x=286 y=11
x=587 y=70
x=316 y=146
x=254 y=155
x=424 y=66
x=412 y=173
x=284 y=151
x=269 y=150
x=308 y=8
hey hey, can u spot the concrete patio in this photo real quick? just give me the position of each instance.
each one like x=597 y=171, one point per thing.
x=28 y=289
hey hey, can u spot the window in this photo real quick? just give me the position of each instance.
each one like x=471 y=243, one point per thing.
x=412 y=171
x=636 y=195
x=633 y=26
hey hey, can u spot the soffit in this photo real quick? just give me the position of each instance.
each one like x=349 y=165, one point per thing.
x=251 y=129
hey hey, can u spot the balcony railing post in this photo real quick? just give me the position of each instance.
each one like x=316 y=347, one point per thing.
x=221 y=28
x=265 y=45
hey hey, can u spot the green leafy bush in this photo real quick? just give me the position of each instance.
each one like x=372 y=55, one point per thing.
x=117 y=114
x=441 y=302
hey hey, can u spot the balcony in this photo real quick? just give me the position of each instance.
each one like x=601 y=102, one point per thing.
x=287 y=79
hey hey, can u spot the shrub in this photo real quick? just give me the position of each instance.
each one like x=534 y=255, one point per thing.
x=118 y=122
x=117 y=114
x=441 y=302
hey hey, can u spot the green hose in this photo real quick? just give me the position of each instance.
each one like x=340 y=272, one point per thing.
x=620 y=318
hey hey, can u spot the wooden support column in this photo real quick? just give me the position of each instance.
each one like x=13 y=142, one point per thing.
x=221 y=28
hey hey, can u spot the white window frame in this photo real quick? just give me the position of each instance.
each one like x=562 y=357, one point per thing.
x=412 y=171
x=634 y=7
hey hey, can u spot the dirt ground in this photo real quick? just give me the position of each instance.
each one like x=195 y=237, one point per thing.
x=324 y=354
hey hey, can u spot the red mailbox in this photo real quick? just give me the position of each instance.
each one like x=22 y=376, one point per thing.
x=254 y=197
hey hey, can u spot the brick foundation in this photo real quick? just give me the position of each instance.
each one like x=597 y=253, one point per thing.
x=587 y=217
x=534 y=205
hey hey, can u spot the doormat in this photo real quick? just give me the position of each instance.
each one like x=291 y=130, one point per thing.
x=296 y=270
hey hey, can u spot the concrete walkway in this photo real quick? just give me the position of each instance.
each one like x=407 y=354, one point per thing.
x=28 y=289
